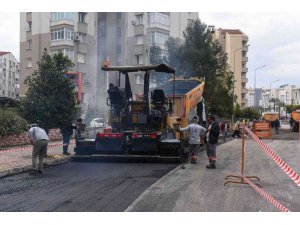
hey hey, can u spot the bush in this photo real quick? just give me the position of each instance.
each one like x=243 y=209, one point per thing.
x=11 y=123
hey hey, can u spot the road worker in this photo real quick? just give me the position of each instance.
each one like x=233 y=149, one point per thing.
x=194 y=132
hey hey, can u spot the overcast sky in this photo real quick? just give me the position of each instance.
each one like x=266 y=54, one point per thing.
x=274 y=40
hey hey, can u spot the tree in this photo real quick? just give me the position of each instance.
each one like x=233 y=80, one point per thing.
x=11 y=122
x=200 y=56
x=155 y=55
x=155 y=59
x=291 y=108
x=250 y=113
x=237 y=112
x=50 y=99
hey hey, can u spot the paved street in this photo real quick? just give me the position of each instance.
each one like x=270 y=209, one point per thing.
x=138 y=187
x=80 y=187
x=197 y=189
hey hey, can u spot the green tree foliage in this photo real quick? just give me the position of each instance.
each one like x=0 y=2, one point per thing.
x=50 y=98
x=200 y=56
x=11 y=122
x=291 y=108
x=155 y=55
x=237 y=112
x=155 y=59
x=249 y=113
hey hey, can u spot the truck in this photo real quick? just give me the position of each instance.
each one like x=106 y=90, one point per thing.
x=144 y=128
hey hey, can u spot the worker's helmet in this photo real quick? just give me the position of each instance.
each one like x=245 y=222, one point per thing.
x=195 y=119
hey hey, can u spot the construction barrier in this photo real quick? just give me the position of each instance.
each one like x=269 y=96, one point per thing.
x=283 y=165
x=242 y=179
x=30 y=147
x=267 y=196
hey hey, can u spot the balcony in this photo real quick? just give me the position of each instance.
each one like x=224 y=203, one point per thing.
x=243 y=101
x=244 y=80
x=62 y=22
x=159 y=26
x=28 y=17
x=244 y=70
x=245 y=49
x=245 y=39
x=82 y=27
x=139 y=50
x=244 y=90
x=245 y=59
x=61 y=42
x=139 y=29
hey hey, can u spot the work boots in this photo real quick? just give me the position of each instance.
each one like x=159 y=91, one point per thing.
x=212 y=165
x=194 y=160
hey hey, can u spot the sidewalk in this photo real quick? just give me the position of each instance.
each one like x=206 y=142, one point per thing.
x=197 y=189
x=12 y=163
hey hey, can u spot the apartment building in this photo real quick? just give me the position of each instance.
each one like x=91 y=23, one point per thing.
x=296 y=96
x=235 y=44
x=89 y=39
x=252 y=97
x=287 y=94
x=9 y=75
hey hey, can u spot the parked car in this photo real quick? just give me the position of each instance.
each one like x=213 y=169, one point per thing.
x=98 y=122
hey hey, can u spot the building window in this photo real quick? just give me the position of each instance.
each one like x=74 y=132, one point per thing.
x=159 y=38
x=139 y=59
x=29 y=26
x=139 y=79
x=139 y=39
x=65 y=51
x=62 y=34
x=29 y=44
x=29 y=62
x=56 y=16
x=160 y=18
x=139 y=19
x=81 y=17
x=80 y=58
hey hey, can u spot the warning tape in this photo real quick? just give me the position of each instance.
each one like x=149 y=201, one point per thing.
x=30 y=147
x=267 y=196
x=285 y=167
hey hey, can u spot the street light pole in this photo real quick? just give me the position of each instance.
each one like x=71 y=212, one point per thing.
x=255 y=83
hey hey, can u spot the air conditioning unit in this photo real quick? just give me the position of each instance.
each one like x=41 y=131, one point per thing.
x=77 y=37
x=133 y=22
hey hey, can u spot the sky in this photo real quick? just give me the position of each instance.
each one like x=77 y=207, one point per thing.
x=274 y=38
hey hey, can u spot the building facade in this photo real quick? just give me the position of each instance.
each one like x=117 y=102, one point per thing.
x=9 y=75
x=296 y=96
x=254 y=99
x=286 y=94
x=89 y=39
x=234 y=43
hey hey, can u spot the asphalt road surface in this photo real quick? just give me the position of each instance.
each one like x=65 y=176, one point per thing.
x=197 y=189
x=92 y=187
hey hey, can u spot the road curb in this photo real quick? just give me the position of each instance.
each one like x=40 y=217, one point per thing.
x=131 y=206
x=24 y=169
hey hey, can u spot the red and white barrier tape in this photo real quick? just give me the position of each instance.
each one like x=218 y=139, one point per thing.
x=285 y=167
x=267 y=196
x=30 y=147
